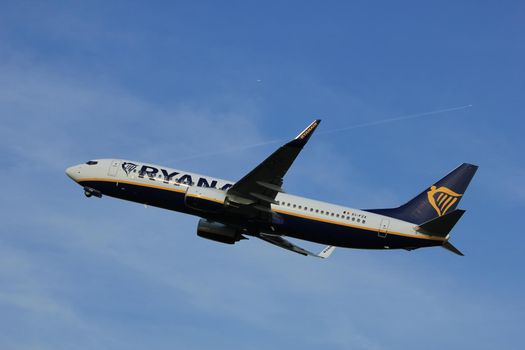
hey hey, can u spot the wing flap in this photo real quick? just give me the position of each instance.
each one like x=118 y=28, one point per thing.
x=270 y=186
x=263 y=198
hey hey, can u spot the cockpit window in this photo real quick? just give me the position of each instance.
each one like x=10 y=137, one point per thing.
x=91 y=162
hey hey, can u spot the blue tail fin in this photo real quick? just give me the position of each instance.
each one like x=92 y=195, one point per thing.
x=437 y=200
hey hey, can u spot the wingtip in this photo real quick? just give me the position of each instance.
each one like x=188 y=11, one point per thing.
x=306 y=133
x=326 y=252
x=474 y=167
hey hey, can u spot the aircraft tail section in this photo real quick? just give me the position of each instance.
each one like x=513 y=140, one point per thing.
x=442 y=225
x=436 y=201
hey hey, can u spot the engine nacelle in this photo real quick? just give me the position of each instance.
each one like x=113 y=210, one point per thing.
x=205 y=199
x=218 y=232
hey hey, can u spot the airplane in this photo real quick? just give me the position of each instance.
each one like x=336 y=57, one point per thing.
x=257 y=206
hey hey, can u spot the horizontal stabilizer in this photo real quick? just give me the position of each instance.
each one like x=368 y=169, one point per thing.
x=448 y=246
x=442 y=225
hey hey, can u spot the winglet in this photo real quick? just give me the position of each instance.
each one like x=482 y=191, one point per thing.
x=304 y=136
x=326 y=252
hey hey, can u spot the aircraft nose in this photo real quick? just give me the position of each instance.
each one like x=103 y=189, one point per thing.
x=73 y=172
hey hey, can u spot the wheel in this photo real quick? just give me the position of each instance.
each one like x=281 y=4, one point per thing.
x=88 y=194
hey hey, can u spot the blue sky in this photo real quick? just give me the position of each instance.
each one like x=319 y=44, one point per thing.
x=166 y=81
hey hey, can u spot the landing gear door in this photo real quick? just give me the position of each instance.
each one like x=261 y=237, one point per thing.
x=383 y=228
x=113 y=168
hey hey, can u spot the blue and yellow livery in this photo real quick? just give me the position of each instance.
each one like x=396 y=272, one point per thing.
x=257 y=206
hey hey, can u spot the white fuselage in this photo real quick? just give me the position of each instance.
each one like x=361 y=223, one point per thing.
x=128 y=180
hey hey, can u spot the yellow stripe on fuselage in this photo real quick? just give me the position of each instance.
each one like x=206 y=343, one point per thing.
x=418 y=236
x=207 y=199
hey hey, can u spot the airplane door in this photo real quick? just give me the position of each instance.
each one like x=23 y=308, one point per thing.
x=383 y=228
x=113 y=168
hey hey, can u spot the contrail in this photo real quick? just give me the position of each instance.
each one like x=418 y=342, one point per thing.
x=395 y=119
x=357 y=126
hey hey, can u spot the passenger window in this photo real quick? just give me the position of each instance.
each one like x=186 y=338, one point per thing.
x=353 y=219
x=322 y=211
x=288 y=204
x=358 y=220
x=300 y=207
x=294 y=206
x=337 y=215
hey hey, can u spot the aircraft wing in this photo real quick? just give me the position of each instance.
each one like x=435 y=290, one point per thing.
x=283 y=243
x=256 y=191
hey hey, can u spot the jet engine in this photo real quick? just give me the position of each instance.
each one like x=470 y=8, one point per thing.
x=218 y=232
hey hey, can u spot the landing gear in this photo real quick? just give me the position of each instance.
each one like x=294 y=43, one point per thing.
x=88 y=192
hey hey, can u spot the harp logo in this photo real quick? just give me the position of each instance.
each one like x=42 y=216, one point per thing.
x=129 y=167
x=442 y=199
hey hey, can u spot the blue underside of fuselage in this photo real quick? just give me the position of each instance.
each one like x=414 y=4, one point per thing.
x=290 y=225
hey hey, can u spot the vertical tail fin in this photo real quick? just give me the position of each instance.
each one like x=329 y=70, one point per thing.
x=437 y=200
